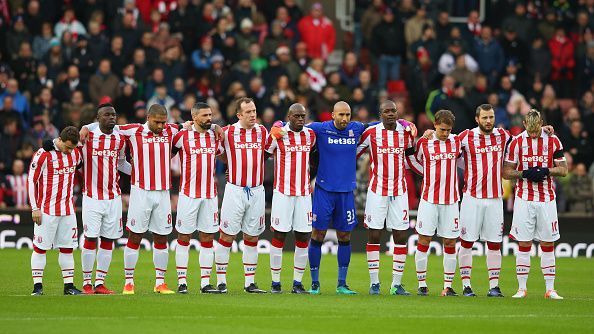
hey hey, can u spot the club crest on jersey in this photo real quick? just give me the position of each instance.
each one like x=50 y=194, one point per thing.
x=314 y=217
x=351 y=133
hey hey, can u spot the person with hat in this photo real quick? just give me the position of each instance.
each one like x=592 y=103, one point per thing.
x=447 y=61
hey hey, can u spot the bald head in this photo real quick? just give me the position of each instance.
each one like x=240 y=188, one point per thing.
x=341 y=114
x=296 y=107
x=388 y=104
x=296 y=116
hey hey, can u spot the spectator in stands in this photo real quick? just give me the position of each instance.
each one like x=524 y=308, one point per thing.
x=317 y=31
x=19 y=101
x=16 y=186
x=25 y=65
x=489 y=55
x=315 y=73
x=387 y=44
x=513 y=47
x=462 y=74
x=69 y=23
x=473 y=27
x=540 y=59
x=274 y=39
x=17 y=35
x=257 y=61
x=443 y=27
x=246 y=36
x=437 y=96
x=341 y=89
x=349 y=70
x=546 y=27
x=563 y=62
x=578 y=144
x=103 y=83
x=11 y=140
x=161 y=97
x=447 y=61
x=202 y=57
x=289 y=65
x=173 y=63
x=45 y=104
x=413 y=28
x=33 y=18
x=41 y=43
x=519 y=22
x=580 y=191
x=371 y=17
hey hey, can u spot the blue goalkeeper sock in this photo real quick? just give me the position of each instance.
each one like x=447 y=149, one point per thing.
x=315 y=256
x=344 y=258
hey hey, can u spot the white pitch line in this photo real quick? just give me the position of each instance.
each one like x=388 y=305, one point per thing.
x=400 y=316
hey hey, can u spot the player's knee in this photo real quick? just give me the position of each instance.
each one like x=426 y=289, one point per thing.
x=318 y=235
x=343 y=236
x=400 y=237
x=449 y=242
x=424 y=240
x=466 y=244
x=159 y=239
x=106 y=244
x=494 y=246
x=134 y=238
x=373 y=236
x=90 y=243
x=280 y=236
x=250 y=240
x=184 y=238
x=206 y=237
x=302 y=237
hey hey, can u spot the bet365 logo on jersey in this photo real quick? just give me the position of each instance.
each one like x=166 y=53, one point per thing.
x=342 y=141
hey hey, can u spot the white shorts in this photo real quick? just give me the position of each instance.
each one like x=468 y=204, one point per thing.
x=55 y=232
x=102 y=218
x=197 y=214
x=149 y=210
x=290 y=213
x=391 y=209
x=440 y=217
x=243 y=210
x=535 y=221
x=481 y=218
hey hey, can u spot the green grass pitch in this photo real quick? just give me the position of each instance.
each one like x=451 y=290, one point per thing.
x=146 y=312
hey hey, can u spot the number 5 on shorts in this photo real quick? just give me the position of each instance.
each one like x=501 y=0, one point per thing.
x=456 y=223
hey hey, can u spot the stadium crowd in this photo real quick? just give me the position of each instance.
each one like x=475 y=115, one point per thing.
x=60 y=59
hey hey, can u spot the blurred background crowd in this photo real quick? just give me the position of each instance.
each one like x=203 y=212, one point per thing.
x=59 y=59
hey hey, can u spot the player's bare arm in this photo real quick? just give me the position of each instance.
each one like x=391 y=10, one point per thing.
x=510 y=172
x=560 y=169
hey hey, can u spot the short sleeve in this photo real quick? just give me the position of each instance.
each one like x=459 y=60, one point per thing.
x=512 y=154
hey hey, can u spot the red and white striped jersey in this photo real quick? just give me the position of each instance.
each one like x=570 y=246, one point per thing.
x=483 y=158
x=526 y=152
x=245 y=154
x=436 y=160
x=18 y=186
x=291 y=161
x=101 y=154
x=387 y=157
x=197 y=152
x=51 y=179
x=151 y=155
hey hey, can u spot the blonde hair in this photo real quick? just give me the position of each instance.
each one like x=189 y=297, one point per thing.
x=533 y=120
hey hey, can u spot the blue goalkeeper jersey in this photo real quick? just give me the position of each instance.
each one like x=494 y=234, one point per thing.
x=338 y=155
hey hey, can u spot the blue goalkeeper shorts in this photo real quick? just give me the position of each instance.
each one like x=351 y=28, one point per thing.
x=335 y=207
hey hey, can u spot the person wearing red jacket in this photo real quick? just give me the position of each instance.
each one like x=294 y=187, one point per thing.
x=562 y=61
x=317 y=31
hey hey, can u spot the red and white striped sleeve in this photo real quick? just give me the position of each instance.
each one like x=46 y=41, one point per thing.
x=271 y=145
x=415 y=161
x=364 y=142
x=512 y=154
x=38 y=164
x=128 y=130
x=558 y=151
x=123 y=165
